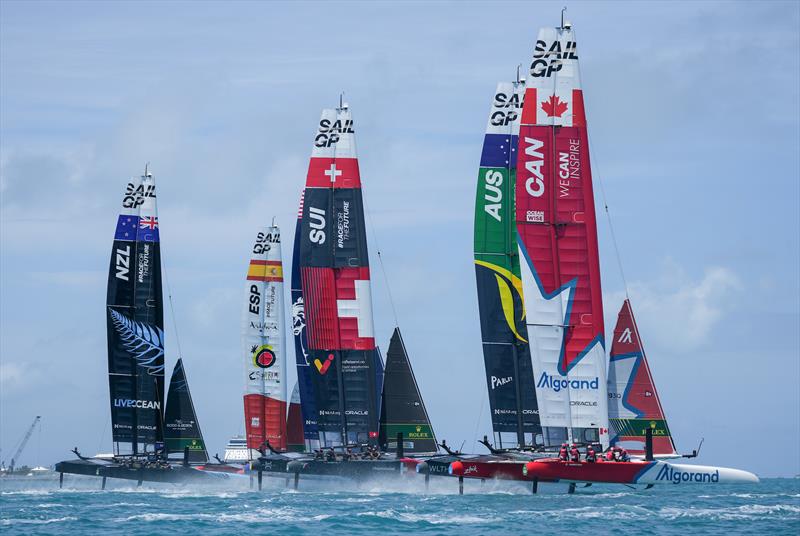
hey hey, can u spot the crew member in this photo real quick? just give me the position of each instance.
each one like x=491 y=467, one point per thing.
x=575 y=454
x=610 y=454
x=623 y=455
x=563 y=455
x=591 y=455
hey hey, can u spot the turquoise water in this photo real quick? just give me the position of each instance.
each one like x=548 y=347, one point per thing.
x=36 y=506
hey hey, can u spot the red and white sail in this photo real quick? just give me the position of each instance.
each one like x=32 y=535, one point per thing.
x=634 y=405
x=264 y=345
x=558 y=246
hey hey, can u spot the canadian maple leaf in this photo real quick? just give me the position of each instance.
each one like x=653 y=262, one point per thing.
x=554 y=107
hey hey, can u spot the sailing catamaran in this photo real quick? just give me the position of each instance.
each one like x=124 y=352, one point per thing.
x=556 y=275
x=350 y=405
x=143 y=434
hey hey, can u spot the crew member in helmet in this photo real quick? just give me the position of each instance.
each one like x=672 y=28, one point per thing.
x=623 y=455
x=591 y=455
x=610 y=454
x=575 y=454
x=563 y=453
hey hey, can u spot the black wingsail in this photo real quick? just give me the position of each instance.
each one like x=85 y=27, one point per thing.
x=181 y=428
x=402 y=408
x=135 y=322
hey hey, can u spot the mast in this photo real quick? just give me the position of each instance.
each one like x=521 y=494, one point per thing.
x=558 y=244
x=263 y=343
x=335 y=274
x=135 y=321
x=509 y=377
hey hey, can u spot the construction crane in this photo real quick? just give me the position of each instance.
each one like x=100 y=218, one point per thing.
x=22 y=444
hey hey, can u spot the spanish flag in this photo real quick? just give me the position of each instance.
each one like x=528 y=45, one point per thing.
x=265 y=271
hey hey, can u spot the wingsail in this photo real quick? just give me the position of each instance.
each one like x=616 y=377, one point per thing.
x=302 y=357
x=181 y=428
x=558 y=246
x=263 y=344
x=135 y=322
x=509 y=377
x=336 y=287
x=634 y=405
x=294 y=422
x=402 y=408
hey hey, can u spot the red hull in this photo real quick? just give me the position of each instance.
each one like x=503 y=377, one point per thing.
x=554 y=470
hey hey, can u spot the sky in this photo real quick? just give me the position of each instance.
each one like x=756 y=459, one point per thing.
x=694 y=126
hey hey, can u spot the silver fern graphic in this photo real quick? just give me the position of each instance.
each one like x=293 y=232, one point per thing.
x=145 y=343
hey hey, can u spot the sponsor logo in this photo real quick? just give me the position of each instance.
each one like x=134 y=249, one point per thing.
x=534 y=184
x=534 y=216
x=626 y=336
x=471 y=469
x=493 y=195
x=322 y=368
x=264 y=242
x=144 y=263
x=557 y=384
x=254 y=299
x=343 y=225
x=317 y=223
x=299 y=324
x=138 y=404
x=263 y=356
x=507 y=112
x=329 y=133
x=675 y=476
x=497 y=382
x=122 y=262
x=135 y=195
x=569 y=167
x=264 y=374
x=255 y=422
x=360 y=412
x=550 y=59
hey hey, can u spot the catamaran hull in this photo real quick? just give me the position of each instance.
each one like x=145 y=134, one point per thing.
x=635 y=472
x=355 y=469
x=172 y=474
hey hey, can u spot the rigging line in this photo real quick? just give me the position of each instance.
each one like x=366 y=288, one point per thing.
x=171 y=307
x=478 y=421
x=103 y=434
x=380 y=257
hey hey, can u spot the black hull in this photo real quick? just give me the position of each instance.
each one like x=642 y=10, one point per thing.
x=353 y=469
x=105 y=469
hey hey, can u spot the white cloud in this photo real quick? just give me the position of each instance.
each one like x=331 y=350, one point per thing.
x=677 y=311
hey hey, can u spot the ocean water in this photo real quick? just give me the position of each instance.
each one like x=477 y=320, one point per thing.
x=36 y=506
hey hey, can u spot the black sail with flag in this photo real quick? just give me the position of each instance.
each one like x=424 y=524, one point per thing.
x=181 y=428
x=135 y=322
x=402 y=408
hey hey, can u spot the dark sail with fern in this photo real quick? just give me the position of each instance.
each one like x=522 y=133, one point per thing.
x=135 y=323
x=181 y=428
